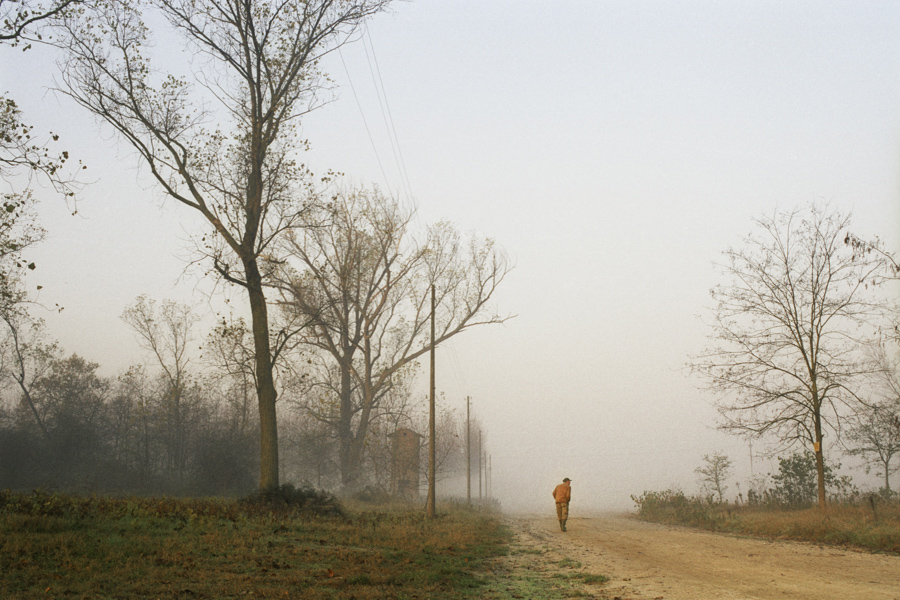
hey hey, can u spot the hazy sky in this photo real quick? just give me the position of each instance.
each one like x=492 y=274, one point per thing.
x=614 y=149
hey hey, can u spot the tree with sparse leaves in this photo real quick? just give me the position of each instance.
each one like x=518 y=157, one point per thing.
x=714 y=473
x=789 y=328
x=22 y=158
x=166 y=332
x=236 y=167
x=875 y=437
x=23 y=20
x=360 y=287
x=22 y=155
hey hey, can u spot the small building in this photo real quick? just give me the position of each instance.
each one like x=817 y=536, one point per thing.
x=405 y=464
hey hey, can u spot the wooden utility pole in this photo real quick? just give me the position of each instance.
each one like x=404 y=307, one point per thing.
x=468 y=454
x=479 y=464
x=490 y=477
x=430 y=508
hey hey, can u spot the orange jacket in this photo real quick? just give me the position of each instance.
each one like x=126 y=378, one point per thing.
x=563 y=492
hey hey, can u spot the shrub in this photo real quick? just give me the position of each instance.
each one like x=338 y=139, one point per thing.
x=674 y=507
x=304 y=498
x=796 y=483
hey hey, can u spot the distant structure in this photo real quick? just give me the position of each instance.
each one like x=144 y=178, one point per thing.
x=405 y=464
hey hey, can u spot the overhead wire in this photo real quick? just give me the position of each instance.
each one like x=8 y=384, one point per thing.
x=386 y=113
x=397 y=151
x=456 y=368
x=365 y=121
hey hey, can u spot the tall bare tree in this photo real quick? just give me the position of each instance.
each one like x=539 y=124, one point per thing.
x=788 y=330
x=239 y=170
x=362 y=284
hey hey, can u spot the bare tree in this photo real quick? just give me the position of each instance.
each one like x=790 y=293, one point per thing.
x=258 y=60
x=876 y=438
x=875 y=434
x=714 y=473
x=166 y=332
x=788 y=330
x=133 y=426
x=363 y=287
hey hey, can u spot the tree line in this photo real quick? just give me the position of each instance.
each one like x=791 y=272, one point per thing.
x=181 y=423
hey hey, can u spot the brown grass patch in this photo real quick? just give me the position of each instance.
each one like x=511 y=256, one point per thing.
x=846 y=525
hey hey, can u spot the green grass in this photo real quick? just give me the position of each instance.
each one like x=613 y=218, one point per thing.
x=568 y=563
x=843 y=525
x=68 y=547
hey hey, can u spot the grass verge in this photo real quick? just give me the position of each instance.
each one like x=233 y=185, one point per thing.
x=844 y=525
x=54 y=546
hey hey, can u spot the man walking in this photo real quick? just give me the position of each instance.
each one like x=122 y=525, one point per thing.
x=563 y=494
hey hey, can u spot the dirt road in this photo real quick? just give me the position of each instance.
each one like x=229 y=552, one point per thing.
x=648 y=561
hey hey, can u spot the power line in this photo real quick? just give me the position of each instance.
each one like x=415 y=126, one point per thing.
x=386 y=114
x=365 y=122
x=456 y=368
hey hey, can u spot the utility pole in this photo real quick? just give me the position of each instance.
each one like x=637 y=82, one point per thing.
x=468 y=455
x=490 y=477
x=430 y=508
x=479 y=464
x=487 y=484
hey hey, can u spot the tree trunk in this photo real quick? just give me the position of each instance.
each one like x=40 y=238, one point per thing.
x=345 y=426
x=817 y=433
x=265 y=380
x=820 y=465
x=352 y=468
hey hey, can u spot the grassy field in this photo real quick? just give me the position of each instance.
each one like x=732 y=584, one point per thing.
x=57 y=546
x=54 y=546
x=858 y=526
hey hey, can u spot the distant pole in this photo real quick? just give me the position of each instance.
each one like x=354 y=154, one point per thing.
x=487 y=489
x=468 y=454
x=430 y=508
x=479 y=464
x=490 y=478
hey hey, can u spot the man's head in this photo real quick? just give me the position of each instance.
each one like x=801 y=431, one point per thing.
x=566 y=480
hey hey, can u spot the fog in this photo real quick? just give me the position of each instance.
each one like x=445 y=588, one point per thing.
x=613 y=149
